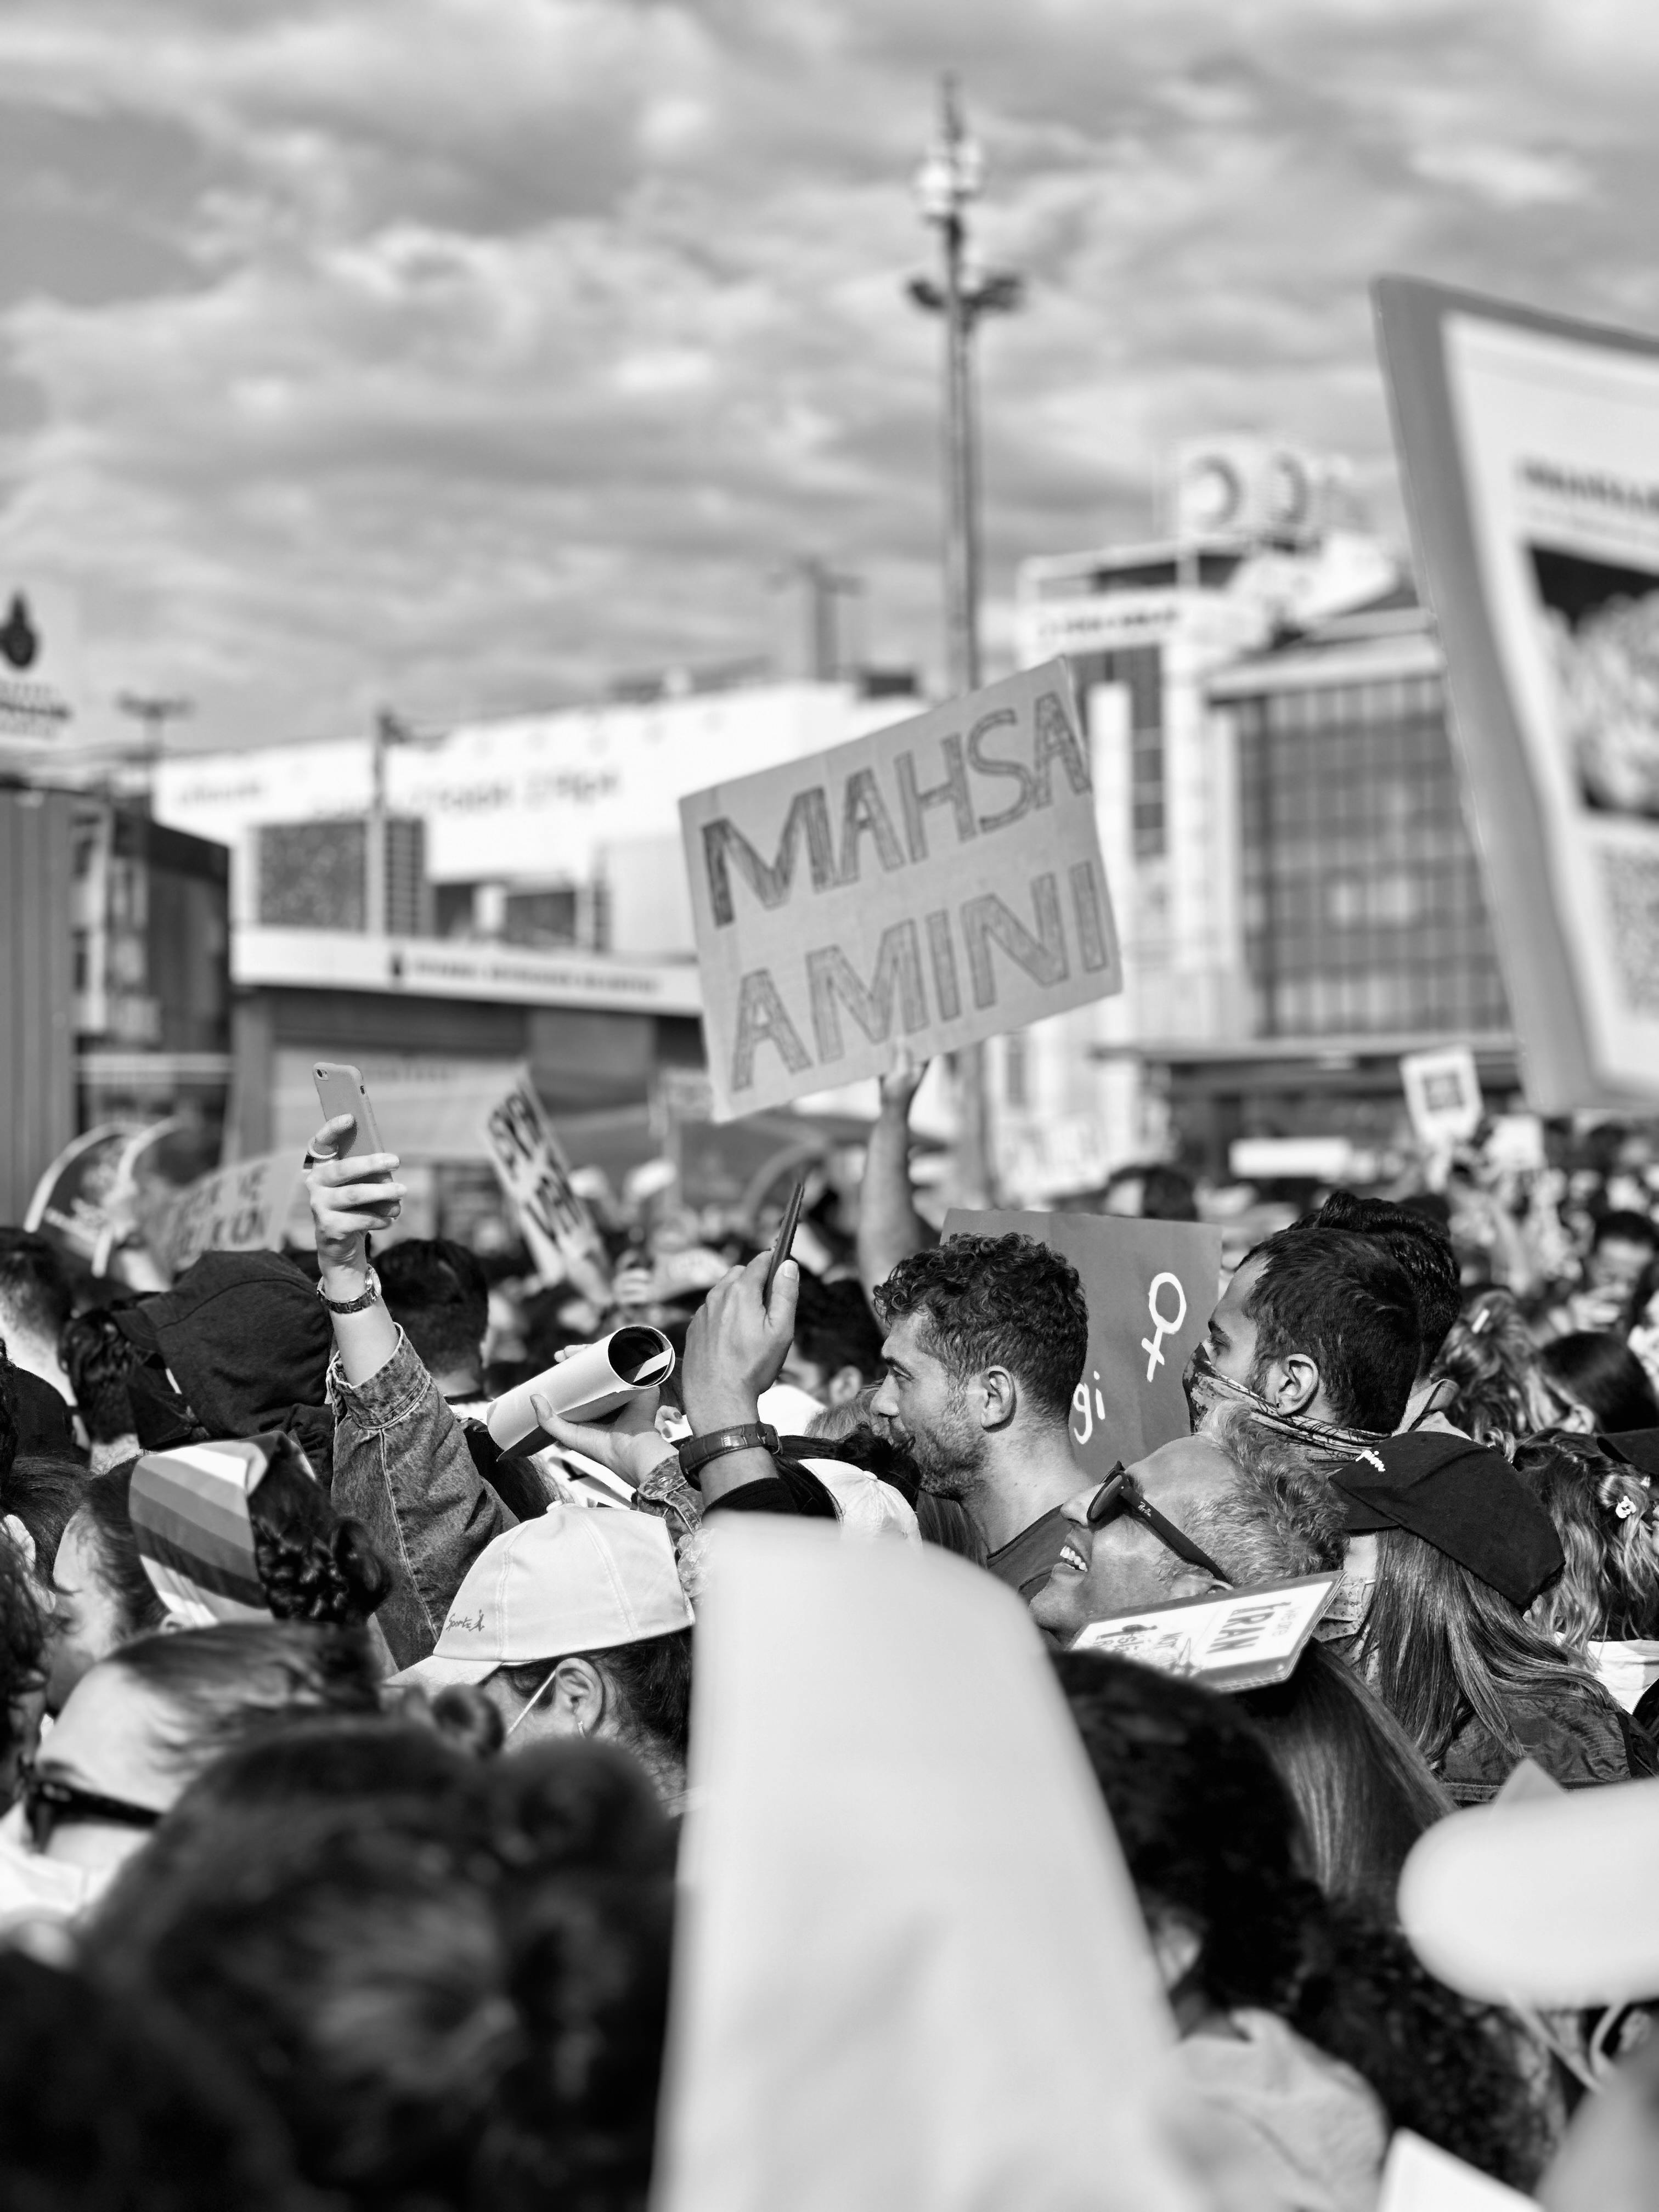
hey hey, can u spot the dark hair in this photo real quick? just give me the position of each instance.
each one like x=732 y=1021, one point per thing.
x=314 y=1564
x=110 y=2104
x=1491 y=1363
x=439 y=1291
x=836 y=1328
x=23 y=1650
x=8 y=1413
x=1600 y=1371
x=997 y=1301
x=1603 y=1513
x=104 y=1510
x=1212 y=1840
x=1166 y=1194
x=1629 y=1227
x=32 y=1282
x=652 y=1679
x=1424 y=1251
x=1347 y=1303
x=45 y=1492
x=1442 y=1648
x=100 y=1360
x=1363 y=1789
x=451 y=2004
x=225 y=1685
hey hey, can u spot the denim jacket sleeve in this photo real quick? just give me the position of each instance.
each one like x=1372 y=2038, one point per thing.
x=402 y=1466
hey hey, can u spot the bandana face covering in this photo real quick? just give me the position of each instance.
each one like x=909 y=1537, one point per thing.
x=1205 y=1386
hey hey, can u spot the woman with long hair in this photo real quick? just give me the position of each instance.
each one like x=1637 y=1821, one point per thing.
x=1363 y=1789
x=1475 y=1686
x=1308 y=2026
x=1499 y=1393
x=1604 y=1512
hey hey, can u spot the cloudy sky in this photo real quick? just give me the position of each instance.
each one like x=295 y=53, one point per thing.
x=465 y=354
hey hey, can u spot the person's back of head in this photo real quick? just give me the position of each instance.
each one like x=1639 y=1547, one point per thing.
x=1345 y=1302
x=835 y=1334
x=1424 y=1251
x=1217 y=1853
x=1597 y=1370
x=998 y=1301
x=1499 y=1393
x=44 y=1494
x=439 y=1292
x=100 y=1360
x=1604 y=1513
x=110 y=2103
x=1363 y=1789
x=460 y=2009
x=313 y=1564
x=104 y=1515
x=1275 y=1517
x=1167 y=1195
x=34 y=1291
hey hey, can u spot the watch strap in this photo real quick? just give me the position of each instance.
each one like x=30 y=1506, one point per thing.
x=353 y=1305
x=752 y=1436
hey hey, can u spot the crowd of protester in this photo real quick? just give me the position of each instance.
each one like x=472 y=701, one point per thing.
x=346 y=1754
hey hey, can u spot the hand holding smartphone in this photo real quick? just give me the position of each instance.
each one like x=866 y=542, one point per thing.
x=340 y=1091
x=785 y=1245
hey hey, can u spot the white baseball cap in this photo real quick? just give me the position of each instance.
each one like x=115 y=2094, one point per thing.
x=569 y=1580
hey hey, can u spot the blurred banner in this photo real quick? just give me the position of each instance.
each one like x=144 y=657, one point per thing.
x=939 y=881
x=1151 y=1287
x=239 y=1209
x=1442 y=1095
x=80 y=1203
x=1530 y=451
x=534 y=1174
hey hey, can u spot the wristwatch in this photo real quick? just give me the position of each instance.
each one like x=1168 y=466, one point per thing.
x=753 y=1435
x=353 y=1305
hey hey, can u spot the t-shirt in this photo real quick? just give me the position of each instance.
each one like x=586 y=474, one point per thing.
x=1026 y=1563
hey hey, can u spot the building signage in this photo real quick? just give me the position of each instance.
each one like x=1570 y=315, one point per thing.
x=937 y=882
x=344 y=959
x=1530 y=448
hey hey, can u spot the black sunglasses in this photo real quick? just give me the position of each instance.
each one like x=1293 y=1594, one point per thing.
x=1120 y=1493
x=48 y=1803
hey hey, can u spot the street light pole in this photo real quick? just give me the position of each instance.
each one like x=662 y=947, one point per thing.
x=949 y=177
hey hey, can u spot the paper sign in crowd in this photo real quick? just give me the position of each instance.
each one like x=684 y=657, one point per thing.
x=531 y=1170
x=938 y=882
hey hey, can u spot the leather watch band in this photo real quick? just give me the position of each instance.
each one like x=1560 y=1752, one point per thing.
x=752 y=1436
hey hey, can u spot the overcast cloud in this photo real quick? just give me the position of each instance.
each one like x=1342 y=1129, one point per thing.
x=464 y=355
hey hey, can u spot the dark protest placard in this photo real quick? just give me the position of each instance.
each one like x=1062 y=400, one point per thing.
x=1151 y=1287
x=937 y=882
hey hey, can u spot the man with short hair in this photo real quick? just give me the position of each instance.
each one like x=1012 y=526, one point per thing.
x=836 y=1349
x=1187 y=1519
x=986 y=1341
x=1424 y=1251
x=35 y=1304
x=438 y=1290
x=1318 y=1328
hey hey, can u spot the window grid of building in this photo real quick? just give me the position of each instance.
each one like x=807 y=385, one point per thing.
x=1362 y=904
x=1140 y=669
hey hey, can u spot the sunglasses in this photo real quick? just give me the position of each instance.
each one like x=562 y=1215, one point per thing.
x=1120 y=1493
x=49 y=1803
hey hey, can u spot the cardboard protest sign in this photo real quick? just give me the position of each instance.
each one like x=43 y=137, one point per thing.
x=1243 y=1641
x=939 y=882
x=533 y=1172
x=1530 y=450
x=239 y=1209
x=1442 y=1095
x=1151 y=1287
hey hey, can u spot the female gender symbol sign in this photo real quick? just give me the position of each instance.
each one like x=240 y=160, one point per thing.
x=1154 y=1344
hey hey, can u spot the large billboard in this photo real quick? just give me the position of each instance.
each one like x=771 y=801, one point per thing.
x=1530 y=449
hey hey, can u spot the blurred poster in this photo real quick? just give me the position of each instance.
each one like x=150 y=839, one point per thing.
x=80 y=1204
x=1151 y=1287
x=939 y=881
x=1442 y=1095
x=533 y=1171
x=1530 y=448
x=240 y=1208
